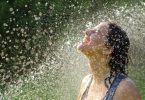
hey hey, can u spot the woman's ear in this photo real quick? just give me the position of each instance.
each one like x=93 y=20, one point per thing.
x=108 y=50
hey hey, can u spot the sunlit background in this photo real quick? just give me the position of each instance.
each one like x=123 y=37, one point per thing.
x=38 y=38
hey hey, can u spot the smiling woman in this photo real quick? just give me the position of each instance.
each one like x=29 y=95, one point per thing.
x=106 y=47
x=93 y=38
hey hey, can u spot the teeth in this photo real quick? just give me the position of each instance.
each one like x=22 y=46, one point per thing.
x=85 y=43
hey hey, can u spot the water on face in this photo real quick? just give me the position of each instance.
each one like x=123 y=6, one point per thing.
x=58 y=77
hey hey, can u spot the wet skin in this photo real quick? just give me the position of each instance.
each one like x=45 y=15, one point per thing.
x=94 y=48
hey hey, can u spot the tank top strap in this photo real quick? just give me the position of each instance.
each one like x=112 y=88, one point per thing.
x=110 y=93
x=87 y=85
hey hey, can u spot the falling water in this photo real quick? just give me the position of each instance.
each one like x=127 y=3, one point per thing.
x=58 y=76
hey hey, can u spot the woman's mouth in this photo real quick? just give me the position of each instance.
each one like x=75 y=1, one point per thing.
x=86 y=41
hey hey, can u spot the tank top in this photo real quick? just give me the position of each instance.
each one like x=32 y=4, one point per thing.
x=111 y=91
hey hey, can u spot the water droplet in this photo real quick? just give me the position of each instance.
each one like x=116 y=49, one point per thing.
x=5 y=24
x=39 y=3
x=46 y=3
x=26 y=6
x=11 y=9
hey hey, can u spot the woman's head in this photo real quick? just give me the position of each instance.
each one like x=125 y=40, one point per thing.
x=94 y=40
x=110 y=40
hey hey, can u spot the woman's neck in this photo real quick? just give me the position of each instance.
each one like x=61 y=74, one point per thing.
x=99 y=68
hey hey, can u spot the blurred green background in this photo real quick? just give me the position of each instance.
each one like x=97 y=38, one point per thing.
x=38 y=57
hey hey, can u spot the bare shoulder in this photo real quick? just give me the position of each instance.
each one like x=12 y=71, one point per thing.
x=83 y=85
x=85 y=82
x=127 y=90
x=86 y=79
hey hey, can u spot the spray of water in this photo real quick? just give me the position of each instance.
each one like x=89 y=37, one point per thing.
x=59 y=76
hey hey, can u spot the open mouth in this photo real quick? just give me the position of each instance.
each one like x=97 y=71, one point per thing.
x=86 y=41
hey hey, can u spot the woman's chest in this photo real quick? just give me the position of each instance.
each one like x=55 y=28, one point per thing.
x=96 y=93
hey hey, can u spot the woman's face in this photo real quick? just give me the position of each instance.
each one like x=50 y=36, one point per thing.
x=94 y=40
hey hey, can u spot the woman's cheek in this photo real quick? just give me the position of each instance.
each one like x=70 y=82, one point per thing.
x=93 y=41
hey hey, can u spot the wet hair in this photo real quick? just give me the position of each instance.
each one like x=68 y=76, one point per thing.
x=118 y=40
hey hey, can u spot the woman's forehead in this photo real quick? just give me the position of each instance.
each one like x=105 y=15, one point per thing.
x=102 y=26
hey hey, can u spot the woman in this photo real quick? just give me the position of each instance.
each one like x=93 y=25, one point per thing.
x=106 y=47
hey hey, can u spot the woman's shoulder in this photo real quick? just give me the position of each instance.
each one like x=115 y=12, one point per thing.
x=86 y=80
x=127 y=90
x=84 y=84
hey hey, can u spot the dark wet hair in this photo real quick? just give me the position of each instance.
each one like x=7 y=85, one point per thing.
x=119 y=41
